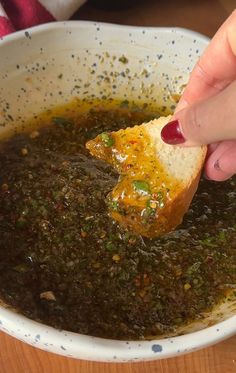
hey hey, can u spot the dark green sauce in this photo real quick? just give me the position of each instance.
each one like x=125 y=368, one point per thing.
x=64 y=262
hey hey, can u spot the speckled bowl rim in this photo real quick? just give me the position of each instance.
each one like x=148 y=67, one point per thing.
x=75 y=24
x=98 y=349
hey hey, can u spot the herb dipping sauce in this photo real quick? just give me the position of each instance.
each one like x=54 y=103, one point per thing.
x=66 y=263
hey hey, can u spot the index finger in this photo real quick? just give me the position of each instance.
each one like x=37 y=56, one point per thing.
x=216 y=68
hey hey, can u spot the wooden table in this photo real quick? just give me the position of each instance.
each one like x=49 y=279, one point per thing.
x=15 y=357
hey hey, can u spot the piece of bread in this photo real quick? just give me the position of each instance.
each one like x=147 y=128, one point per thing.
x=157 y=181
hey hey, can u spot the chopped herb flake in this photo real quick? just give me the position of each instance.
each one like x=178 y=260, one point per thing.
x=107 y=139
x=141 y=186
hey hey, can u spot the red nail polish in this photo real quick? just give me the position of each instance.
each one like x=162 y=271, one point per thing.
x=171 y=133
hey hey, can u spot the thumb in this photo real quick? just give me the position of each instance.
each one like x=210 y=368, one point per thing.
x=204 y=122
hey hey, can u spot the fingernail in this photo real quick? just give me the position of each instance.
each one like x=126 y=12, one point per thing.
x=171 y=133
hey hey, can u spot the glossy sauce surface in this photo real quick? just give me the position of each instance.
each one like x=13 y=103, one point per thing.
x=65 y=262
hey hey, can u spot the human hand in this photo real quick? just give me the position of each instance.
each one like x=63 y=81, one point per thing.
x=206 y=113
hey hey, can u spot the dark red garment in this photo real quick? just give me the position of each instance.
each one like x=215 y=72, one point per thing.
x=26 y=13
x=21 y=14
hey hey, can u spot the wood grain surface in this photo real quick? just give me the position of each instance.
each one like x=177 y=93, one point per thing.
x=17 y=357
x=204 y=16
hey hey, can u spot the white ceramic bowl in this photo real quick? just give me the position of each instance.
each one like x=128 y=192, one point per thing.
x=159 y=61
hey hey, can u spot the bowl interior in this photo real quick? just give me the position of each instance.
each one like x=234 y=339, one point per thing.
x=49 y=66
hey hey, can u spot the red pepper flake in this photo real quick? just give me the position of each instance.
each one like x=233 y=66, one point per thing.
x=59 y=206
x=146 y=279
x=83 y=234
x=142 y=280
x=209 y=259
x=137 y=281
x=133 y=142
x=127 y=166
x=65 y=164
